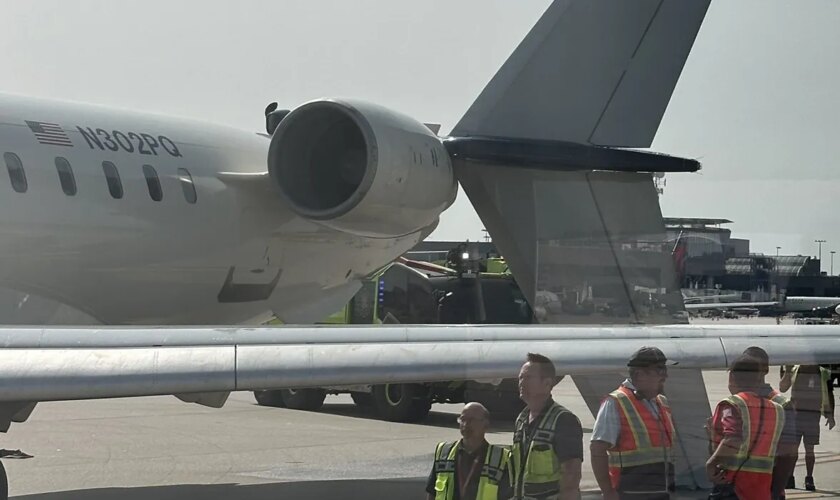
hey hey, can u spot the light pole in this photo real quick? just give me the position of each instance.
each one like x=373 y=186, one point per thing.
x=819 y=251
x=831 y=273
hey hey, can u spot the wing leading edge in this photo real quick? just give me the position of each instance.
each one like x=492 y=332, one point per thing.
x=52 y=364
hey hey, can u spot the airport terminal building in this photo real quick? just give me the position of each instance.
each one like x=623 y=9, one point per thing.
x=714 y=263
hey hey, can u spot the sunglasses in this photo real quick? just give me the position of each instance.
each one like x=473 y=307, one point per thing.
x=658 y=370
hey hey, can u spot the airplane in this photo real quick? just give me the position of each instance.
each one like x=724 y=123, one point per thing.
x=791 y=304
x=715 y=299
x=817 y=305
x=116 y=224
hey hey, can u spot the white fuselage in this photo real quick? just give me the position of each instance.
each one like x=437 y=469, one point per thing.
x=234 y=255
x=806 y=304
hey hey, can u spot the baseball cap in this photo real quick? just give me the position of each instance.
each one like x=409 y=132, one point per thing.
x=647 y=357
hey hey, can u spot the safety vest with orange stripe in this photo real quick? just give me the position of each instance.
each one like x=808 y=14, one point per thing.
x=644 y=438
x=757 y=451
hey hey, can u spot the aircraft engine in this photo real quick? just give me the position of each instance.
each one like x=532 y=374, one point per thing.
x=361 y=168
x=837 y=310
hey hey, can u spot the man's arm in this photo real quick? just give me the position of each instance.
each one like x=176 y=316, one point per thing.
x=728 y=447
x=784 y=383
x=568 y=447
x=601 y=468
x=604 y=436
x=571 y=479
x=829 y=413
x=727 y=419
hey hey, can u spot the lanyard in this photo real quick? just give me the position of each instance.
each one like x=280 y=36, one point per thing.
x=463 y=483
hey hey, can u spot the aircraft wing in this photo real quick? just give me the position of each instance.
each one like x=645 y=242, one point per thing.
x=49 y=364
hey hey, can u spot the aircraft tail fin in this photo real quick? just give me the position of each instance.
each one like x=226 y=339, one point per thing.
x=597 y=72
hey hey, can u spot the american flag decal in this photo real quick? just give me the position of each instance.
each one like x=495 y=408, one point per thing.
x=49 y=133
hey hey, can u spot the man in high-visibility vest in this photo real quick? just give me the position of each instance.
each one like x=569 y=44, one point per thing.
x=633 y=434
x=811 y=394
x=744 y=435
x=788 y=447
x=470 y=468
x=547 y=440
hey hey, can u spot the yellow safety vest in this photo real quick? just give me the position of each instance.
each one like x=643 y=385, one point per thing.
x=825 y=375
x=496 y=465
x=543 y=474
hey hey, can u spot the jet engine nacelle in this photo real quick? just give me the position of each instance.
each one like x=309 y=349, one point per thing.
x=361 y=168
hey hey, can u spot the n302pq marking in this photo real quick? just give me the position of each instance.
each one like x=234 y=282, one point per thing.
x=130 y=142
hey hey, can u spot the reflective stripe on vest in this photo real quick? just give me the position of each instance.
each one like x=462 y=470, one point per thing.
x=651 y=436
x=543 y=475
x=760 y=458
x=495 y=466
x=825 y=376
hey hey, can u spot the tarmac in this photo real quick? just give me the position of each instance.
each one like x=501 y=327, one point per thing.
x=165 y=449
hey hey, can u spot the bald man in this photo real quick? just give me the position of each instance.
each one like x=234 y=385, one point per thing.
x=470 y=468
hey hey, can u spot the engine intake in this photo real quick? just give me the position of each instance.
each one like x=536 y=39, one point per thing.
x=361 y=168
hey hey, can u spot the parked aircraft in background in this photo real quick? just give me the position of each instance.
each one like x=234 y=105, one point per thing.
x=808 y=305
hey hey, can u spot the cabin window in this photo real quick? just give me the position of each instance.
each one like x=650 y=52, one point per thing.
x=153 y=182
x=65 y=176
x=16 y=173
x=187 y=185
x=112 y=176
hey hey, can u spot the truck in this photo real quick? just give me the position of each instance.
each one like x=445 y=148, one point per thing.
x=463 y=289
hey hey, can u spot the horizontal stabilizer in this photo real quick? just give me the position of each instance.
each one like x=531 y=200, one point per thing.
x=561 y=155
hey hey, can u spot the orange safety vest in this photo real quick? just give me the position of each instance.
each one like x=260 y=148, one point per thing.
x=643 y=438
x=751 y=457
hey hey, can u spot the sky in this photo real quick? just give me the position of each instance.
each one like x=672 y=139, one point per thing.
x=756 y=103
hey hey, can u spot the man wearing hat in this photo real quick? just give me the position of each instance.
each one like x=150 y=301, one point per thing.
x=744 y=436
x=633 y=432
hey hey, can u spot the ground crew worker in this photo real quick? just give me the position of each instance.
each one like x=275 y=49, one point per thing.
x=633 y=434
x=470 y=468
x=788 y=446
x=811 y=393
x=547 y=440
x=745 y=431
